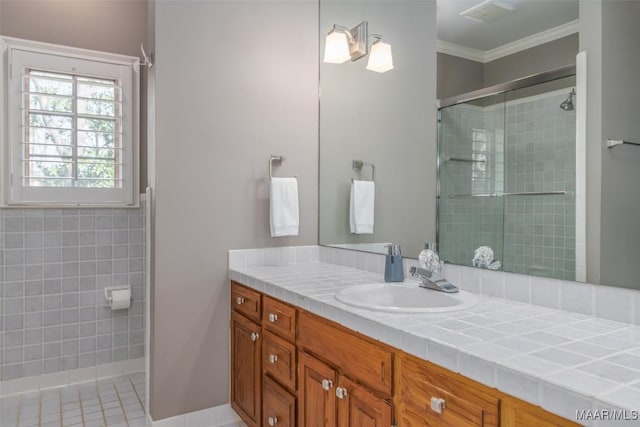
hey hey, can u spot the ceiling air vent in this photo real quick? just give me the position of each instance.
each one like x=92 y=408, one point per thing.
x=487 y=11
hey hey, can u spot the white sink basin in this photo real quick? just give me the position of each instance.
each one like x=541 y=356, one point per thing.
x=404 y=298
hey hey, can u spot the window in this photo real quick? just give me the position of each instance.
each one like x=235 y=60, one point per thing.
x=72 y=136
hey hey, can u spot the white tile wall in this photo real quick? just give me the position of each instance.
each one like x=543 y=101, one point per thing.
x=604 y=302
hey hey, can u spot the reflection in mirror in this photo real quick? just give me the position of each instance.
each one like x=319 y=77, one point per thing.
x=378 y=130
x=507 y=172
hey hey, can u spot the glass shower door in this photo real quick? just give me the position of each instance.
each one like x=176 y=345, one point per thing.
x=471 y=178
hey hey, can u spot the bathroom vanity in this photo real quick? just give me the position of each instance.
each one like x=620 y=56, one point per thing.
x=292 y=367
x=301 y=357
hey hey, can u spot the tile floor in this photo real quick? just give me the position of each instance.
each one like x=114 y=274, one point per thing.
x=112 y=402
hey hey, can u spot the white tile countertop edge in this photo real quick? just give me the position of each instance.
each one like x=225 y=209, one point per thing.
x=559 y=360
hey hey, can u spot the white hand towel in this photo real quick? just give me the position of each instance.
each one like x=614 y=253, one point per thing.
x=361 y=208
x=285 y=217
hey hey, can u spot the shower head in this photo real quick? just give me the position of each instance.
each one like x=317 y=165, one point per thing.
x=567 y=105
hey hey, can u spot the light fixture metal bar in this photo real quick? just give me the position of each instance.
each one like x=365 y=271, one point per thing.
x=358 y=43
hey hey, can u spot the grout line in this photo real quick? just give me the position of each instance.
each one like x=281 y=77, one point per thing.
x=60 y=405
x=135 y=390
x=121 y=405
x=104 y=417
x=81 y=409
x=19 y=411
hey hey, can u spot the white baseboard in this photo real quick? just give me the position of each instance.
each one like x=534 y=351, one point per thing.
x=73 y=376
x=217 y=416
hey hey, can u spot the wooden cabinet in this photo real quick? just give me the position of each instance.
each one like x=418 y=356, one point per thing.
x=279 y=360
x=246 y=302
x=278 y=405
x=316 y=393
x=245 y=373
x=517 y=413
x=442 y=398
x=359 y=358
x=279 y=318
x=329 y=399
x=358 y=407
x=293 y=368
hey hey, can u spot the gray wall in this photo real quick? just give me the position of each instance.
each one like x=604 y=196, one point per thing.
x=458 y=75
x=104 y=25
x=548 y=56
x=386 y=119
x=234 y=83
x=620 y=228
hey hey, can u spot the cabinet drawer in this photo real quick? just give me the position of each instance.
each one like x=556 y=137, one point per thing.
x=279 y=360
x=466 y=404
x=517 y=413
x=356 y=357
x=279 y=318
x=278 y=406
x=246 y=301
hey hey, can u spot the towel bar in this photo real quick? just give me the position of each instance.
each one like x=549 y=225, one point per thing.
x=359 y=164
x=613 y=142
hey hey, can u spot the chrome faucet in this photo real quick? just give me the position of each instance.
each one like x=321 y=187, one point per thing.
x=432 y=280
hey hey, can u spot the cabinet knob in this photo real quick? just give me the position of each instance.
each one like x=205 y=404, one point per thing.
x=327 y=384
x=341 y=392
x=239 y=300
x=272 y=421
x=273 y=358
x=437 y=404
x=273 y=318
x=254 y=336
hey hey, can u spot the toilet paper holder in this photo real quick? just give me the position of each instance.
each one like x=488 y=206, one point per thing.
x=108 y=295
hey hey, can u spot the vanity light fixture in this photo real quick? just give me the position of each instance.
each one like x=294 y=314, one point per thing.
x=380 y=58
x=336 y=46
x=343 y=44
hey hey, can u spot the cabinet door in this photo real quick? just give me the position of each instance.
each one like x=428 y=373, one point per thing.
x=358 y=407
x=316 y=393
x=278 y=406
x=245 y=372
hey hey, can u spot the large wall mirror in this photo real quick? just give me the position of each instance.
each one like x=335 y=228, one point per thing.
x=379 y=127
x=491 y=147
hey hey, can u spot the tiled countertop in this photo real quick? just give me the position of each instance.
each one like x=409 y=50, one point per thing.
x=559 y=360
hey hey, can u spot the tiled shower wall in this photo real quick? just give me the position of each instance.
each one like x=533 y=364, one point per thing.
x=529 y=234
x=55 y=265
x=541 y=157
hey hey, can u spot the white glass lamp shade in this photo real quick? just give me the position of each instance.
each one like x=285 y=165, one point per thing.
x=380 y=58
x=336 y=48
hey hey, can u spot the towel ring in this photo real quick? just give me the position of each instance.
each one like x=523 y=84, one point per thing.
x=272 y=159
x=359 y=164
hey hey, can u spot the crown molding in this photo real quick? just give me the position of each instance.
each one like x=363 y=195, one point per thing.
x=532 y=41
x=460 y=51
x=509 y=48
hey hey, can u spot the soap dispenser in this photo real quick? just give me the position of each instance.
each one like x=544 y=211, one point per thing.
x=393 y=267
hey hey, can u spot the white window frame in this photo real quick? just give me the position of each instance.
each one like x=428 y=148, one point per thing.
x=18 y=55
